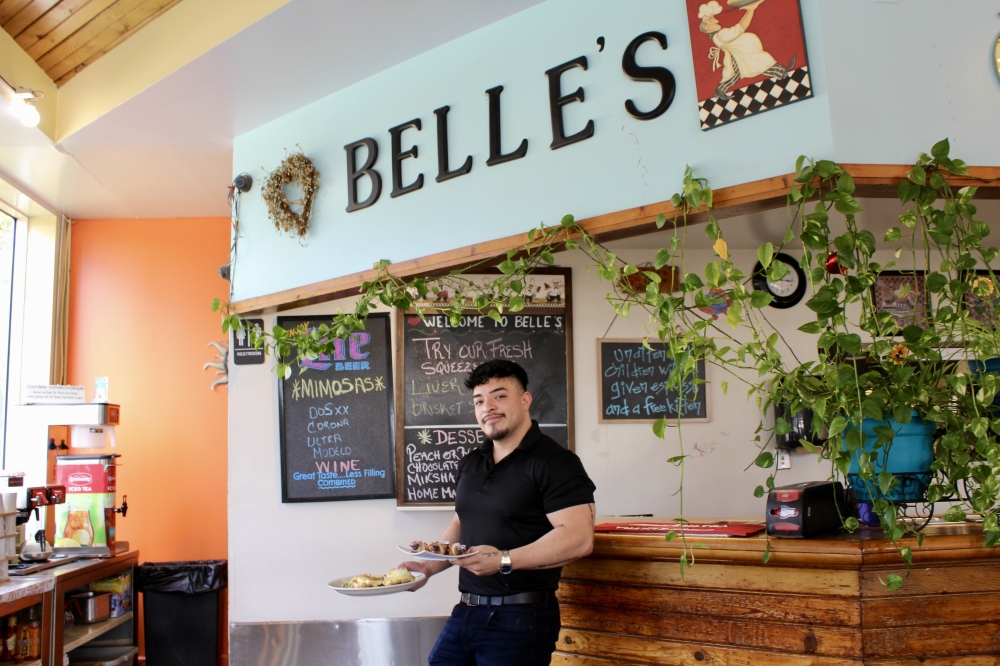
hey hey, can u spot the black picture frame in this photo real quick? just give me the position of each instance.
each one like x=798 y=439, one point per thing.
x=911 y=308
x=375 y=319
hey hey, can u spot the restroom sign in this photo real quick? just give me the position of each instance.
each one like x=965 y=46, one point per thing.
x=244 y=353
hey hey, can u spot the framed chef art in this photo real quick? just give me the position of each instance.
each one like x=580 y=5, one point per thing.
x=749 y=57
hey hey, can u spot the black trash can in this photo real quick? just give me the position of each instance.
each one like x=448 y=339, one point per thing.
x=181 y=611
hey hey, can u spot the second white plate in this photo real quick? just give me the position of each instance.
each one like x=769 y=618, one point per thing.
x=338 y=585
x=432 y=557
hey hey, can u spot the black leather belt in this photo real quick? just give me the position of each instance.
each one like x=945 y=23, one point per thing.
x=522 y=598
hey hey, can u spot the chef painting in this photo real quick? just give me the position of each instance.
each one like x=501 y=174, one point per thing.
x=749 y=57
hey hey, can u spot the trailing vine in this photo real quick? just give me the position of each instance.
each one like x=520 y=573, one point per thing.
x=865 y=366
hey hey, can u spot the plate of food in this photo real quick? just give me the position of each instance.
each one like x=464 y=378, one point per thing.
x=367 y=585
x=436 y=550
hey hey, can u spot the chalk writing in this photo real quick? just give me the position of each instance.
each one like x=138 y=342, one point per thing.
x=634 y=384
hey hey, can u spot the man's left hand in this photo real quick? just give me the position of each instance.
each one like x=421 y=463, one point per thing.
x=485 y=561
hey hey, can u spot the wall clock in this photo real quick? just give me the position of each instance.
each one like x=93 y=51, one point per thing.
x=787 y=291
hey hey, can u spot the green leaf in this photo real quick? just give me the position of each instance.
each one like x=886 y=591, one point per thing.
x=813 y=328
x=851 y=523
x=531 y=234
x=936 y=282
x=941 y=149
x=661 y=219
x=808 y=446
x=671 y=535
x=516 y=304
x=837 y=425
x=676 y=460
x=660 y=427
x=758 y=491
x=893 y=235
x=725 y=388
x=871 y=408
x=912 y=333
x=507 y=267
x=764 y=254
x=760 y=299
x=917 y=175
x=629 y=270
x=713 y=274
x=566 y=221
x=215 y=304
x=765 y=460
x=954 y=514
x=662 y=258
x=766 y=556
x=789 y=236
x=845 y=183
x=895 y=581
x=547 y=257
x=886 y=482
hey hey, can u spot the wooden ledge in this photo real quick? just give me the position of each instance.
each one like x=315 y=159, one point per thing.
x=872 y=181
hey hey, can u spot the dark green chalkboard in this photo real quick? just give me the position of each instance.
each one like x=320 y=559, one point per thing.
x=631 y=380
x=336 y=424
x=437 y=424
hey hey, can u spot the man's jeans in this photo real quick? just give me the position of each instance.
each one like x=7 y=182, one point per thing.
x=514 y=635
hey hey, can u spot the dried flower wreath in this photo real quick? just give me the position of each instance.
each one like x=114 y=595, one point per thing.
x=296 y=168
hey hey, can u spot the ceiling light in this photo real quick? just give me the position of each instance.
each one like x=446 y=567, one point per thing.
x=24 y=106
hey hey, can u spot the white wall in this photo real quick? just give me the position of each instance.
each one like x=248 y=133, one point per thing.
x=627 y=163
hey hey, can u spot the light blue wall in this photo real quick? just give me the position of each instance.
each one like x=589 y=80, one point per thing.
x=903 y=75
x=627 y=163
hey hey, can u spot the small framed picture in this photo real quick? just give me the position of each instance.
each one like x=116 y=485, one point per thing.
x=903 y=294
x=983 y=306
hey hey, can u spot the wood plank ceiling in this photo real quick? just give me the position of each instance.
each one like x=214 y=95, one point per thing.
x=64 y=36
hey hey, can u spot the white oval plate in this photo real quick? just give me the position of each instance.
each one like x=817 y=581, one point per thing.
x=374 y=591
x=432 y=557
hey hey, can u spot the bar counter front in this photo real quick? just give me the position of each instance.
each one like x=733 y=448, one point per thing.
x=818 y=601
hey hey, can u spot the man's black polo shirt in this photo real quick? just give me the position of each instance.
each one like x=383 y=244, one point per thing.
x=504 y=505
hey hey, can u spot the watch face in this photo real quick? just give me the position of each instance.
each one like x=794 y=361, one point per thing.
x=787 y=291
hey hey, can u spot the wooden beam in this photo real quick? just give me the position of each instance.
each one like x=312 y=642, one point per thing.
x=9 y=9
x=79 y=39
x=872 y=180
x=55 y=23
x=132 y=24
x=28 y=15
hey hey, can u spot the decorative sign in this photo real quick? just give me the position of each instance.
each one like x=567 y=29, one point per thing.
x=52 y=394
x=245 y=353
x=337 y=420
x=632 y=381
x=904 y=295
x=438 y=425
x=749 y=57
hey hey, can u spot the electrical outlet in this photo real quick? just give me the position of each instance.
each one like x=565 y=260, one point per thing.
x=784 y=459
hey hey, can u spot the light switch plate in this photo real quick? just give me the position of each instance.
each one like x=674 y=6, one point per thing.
x=784 y=460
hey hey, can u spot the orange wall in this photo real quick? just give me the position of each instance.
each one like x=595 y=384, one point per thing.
x=140 y=314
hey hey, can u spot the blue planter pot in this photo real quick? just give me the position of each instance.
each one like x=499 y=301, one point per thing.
x=977 y=367
x=911 y=454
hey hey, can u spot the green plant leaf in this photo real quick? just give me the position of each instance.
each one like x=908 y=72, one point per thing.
x=851 y=523
x=837 y=426
x=764 y=254
x=812 y=328
x=808 y=446
x=215 y=304
x=954 y=514
x=765 y=460
x=547 y=257
x=941 y=149
x=566 y=221
x=660 y=427
x=661 y=219
x=662 y=258
x=507 y=267
x=713 y=274
x=894 y=582
x=893 y=235
x=758 y=491
x=671 y=535
x=912 y=333
x=760 y=299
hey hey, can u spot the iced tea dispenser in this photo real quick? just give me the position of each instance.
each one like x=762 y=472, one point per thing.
x=85 y=523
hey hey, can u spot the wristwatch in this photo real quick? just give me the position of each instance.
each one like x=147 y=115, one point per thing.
x=505 y=566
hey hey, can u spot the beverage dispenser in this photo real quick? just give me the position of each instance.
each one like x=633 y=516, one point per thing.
x=85 y=522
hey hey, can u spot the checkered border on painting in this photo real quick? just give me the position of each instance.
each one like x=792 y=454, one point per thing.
x=756 y=98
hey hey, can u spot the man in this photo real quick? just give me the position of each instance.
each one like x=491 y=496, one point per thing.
x=525 y=506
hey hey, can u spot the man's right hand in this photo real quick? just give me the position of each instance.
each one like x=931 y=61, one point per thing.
x=426 y=568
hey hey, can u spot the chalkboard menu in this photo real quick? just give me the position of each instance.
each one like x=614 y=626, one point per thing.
x=337 y=419
x=632 y=381
x=438 y=424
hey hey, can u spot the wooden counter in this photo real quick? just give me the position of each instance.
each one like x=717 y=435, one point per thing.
x=817 y=602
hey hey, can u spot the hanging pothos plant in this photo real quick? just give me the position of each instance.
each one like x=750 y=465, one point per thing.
x=865 y=367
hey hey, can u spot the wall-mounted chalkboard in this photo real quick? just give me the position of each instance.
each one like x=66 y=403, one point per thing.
x=336 y=419
x=632 y=382
x=437 y=424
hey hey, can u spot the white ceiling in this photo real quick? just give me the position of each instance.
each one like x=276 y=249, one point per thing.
x=167 y=152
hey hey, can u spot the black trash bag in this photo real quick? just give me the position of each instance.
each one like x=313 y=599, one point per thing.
x=190 y=578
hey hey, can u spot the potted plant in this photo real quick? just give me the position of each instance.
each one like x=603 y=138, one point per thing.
x=874 y=379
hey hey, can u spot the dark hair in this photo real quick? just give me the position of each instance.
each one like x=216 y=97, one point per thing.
x=496 y=369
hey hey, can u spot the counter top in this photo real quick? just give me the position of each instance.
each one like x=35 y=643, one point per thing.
x=25 y=586
x=942 y=542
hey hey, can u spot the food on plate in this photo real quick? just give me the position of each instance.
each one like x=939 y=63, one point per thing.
x=394 y=577
x=438 y=548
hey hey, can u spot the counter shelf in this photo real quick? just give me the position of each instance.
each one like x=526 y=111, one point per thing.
x=818 y=602
x=76 y=574
x=17 y=595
